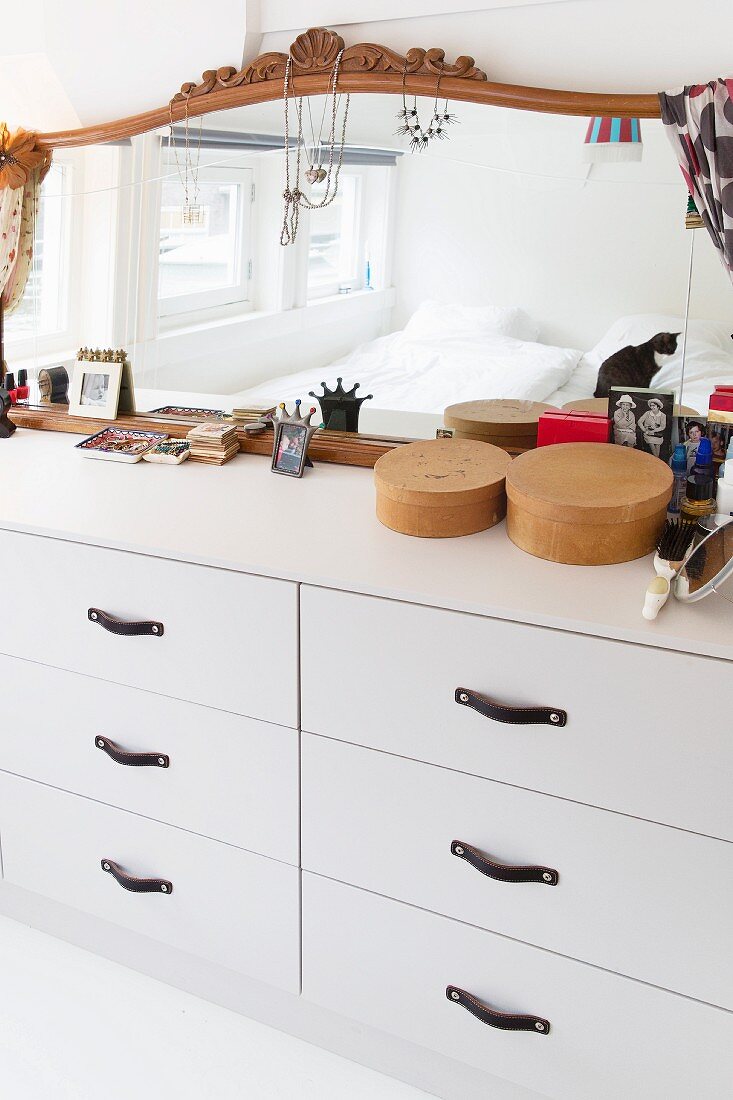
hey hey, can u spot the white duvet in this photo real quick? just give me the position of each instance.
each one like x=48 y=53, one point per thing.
x=405 y=372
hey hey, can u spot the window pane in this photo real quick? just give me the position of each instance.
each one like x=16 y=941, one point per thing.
x=42 y=310
x=203 y=255
x=333 y=245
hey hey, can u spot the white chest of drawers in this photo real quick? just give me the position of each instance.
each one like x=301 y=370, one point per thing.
x=153 y=787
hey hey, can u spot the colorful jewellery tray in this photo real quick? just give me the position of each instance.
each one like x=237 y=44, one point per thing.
x=119 y=444
x=185 y=410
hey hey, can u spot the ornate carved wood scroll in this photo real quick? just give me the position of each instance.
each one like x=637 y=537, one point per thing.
x=314 y=54
x=366 y=67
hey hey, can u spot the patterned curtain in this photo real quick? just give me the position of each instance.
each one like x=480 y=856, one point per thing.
x=699 y=123
x=15 y=280
x=11 y=206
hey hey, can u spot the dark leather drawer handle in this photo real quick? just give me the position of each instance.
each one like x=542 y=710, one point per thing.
x=515 y=716
x=507 y=1021
x=132 y=759
x=136 y=885
x=503 y=872
x=118 y=626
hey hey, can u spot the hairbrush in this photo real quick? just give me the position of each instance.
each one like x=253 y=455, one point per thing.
x=672 y=549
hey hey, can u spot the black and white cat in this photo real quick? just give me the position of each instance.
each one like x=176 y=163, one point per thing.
x=634 y=366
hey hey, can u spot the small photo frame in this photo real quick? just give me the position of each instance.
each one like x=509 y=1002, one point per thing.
x=101 y=387
x=290 y=450
x=95 y=389
x=690 y=430
x=642 y=419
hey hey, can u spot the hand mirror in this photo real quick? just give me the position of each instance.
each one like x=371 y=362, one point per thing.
x=709 y=568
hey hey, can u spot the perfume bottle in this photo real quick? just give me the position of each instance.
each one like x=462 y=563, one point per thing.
x=679 y=471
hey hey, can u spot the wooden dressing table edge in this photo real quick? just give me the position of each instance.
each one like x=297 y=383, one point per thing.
x=343 y=448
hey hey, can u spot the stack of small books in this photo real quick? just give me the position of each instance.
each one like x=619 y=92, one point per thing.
x=251 y=412
x=214 y=442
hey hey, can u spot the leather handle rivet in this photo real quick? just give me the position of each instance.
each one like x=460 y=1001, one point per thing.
x=539 y=1026
x=459 y=851
x=463 y=697
x=455 y=995
x=161 y=761
x=547 y=876
x=554 y=717
x=164 y=888
x=93 y=615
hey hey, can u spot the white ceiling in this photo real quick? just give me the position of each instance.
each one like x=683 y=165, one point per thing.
x=82 y=61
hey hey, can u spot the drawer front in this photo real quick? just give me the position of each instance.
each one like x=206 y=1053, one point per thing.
x=633 y=897
x=389 y=965
x=225 y=905
x=638 y=739
x=229 y=640
x=227 y=777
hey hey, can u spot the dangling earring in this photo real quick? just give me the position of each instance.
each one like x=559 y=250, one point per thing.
x=409 y=119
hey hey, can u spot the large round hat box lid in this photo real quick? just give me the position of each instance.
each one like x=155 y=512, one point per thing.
x=587 y=503
x=506 y=419
x=439 y=488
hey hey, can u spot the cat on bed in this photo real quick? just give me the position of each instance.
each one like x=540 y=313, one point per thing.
x=634 y=367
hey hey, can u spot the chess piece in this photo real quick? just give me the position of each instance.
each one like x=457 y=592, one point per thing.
x=7 y=427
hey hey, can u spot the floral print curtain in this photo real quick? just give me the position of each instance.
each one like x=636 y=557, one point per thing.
x=22 y=168
x=699 y=123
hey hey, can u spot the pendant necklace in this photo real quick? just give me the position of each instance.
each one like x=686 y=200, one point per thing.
x=294 y=197
x=193 y=212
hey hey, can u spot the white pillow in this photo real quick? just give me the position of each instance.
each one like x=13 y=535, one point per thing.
x=640 y=327
x=436 y=319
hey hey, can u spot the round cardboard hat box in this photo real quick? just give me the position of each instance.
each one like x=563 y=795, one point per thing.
x=587 y=503
x=505 y=423
x=440 y=488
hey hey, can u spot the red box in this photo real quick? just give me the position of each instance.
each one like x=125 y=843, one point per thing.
x=572 y=426
x=721 y=400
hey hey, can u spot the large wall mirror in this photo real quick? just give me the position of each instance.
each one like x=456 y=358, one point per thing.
x=496 y=263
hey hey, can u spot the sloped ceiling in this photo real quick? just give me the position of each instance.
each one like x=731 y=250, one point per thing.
x=71 y=62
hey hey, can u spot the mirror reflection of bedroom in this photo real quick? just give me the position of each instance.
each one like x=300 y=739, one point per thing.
x=503 y=262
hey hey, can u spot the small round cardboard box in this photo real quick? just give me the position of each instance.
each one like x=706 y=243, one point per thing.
x=441 y=488
x=587 y=503
x=511 y=424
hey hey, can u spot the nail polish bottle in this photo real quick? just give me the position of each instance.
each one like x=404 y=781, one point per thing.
x=9 y=387
x=23 y=388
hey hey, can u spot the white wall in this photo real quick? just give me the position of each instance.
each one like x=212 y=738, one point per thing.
x=574 y=254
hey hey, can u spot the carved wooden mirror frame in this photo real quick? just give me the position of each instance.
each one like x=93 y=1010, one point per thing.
x=365 y=67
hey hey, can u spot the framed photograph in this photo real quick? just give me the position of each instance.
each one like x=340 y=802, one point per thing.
x=690 y=430
x=95 y=389
x=643 y=420
x=290 y=449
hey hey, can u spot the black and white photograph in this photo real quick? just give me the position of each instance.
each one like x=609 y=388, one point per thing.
x=642 y=420
x=94 y=389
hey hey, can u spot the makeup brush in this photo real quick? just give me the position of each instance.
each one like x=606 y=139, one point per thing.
x=672 y=548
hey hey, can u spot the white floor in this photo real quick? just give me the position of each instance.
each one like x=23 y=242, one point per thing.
x=77 y=1027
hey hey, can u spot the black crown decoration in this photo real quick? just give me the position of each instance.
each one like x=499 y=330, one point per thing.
x=340 y=407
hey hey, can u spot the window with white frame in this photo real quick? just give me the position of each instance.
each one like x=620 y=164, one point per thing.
x=205 y=261
x=346 y=239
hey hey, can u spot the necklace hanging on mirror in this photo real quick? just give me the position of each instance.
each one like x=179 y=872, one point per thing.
x=294 y=197
x=316 y=173
x=409 y=119
x=192 y=212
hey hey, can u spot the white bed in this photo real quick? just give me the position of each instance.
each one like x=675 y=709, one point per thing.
x=447 y=354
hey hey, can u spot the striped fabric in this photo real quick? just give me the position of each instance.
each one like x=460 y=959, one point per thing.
x=612 y=139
